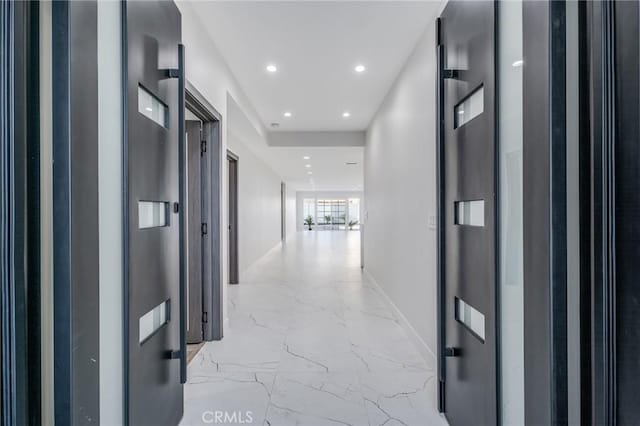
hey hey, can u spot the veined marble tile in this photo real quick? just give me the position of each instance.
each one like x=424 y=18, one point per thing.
x=241 y=351
x=316 y=399
x=237 y=395
x=305 y=359
x=402 y=398
x=311 y=342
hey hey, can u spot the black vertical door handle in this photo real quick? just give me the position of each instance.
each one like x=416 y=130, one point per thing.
x=181 y=353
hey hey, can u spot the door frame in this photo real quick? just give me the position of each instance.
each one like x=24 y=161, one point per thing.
x=20 y=310
x=233 y=187
x=75 y=181
x=606 y=181
x=283 y=211
x=545 y=213
x=212 y=189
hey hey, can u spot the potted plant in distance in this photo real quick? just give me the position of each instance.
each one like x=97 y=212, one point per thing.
x=309 y=221
x=352 y=223
x=327 y=220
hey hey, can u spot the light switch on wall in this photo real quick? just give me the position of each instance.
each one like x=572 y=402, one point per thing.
x=432 y=222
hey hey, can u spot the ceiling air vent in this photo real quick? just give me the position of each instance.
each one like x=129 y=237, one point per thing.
x=275 y=125
x=351 y=163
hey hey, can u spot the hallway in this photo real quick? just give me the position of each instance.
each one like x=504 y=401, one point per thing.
x=310 y=341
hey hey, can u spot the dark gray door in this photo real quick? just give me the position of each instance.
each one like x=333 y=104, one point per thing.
x=233 y=219
x=152 y=251
x=466 y=46
x=196 y=229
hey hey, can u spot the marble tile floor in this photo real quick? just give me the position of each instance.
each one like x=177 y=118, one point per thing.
x=311 y=342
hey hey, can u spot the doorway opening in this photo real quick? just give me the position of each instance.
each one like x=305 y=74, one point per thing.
x=232 y=163
x=202 y=180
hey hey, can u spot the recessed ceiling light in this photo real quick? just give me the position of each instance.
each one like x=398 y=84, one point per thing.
x=518 y=63
x=149 y=109
x=272 y=68
x=287 y=114
x=306 y=157
x=360 y=68
x=307 y=165
x=309 y=173
x=346 y=114
x=461 y=111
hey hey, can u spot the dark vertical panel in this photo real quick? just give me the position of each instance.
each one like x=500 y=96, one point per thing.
x=214 y=326
x=84 y=211
x=21 y=214
x=154 y=158
x=194 y=230
x=544 y=186
x=32 y=108
x=600 y=27
x=467 y=50
x=75 y=213
x=440 y=182
x=7 y=401
x=558 y=212
x=626 y=226
x=584 y=183
x=19 y=285
x=61 y=213
x=233 y=218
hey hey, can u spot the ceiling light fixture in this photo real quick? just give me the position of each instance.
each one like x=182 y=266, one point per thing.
x=272 y=68
x=346 y=114
x=360 y=68
x=518 y=63
x=287 y=114
x=309 y=173
x=306 y=157
x=307 y=166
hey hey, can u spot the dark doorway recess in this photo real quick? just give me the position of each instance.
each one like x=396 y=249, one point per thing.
x=232 y=162
x=467 y=213
x=204 y=184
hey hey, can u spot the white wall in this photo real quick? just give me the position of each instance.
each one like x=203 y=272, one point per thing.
x=400 y=192
x=259 y=205
x=291 y=211
x=211 y=76
x=330 y=195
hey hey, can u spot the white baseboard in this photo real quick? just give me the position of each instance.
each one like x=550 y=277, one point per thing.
x=260 y=259
x=415 y=338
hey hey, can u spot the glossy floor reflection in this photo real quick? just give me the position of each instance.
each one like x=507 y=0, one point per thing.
x=311 y=342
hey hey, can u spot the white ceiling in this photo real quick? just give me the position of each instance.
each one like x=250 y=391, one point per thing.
x=328 y=164
x=316 y=45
